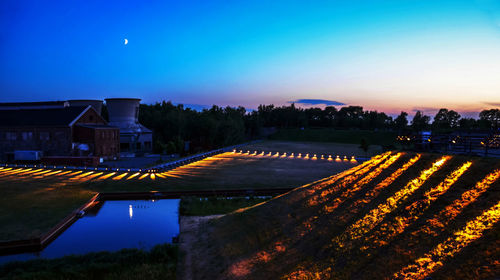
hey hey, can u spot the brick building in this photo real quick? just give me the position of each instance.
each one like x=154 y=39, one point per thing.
x=57 y=131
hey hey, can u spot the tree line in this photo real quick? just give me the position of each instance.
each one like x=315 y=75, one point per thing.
x=176 y=127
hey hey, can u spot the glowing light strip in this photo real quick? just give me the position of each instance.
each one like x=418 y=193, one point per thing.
x=370 y=220
x=440 y=220
x=396 y=226
x=13 y=171
x=143 y=176
x=119 y=177
x=90 y=177
x=41 y=172
x=81 y=175
x=133 y=175
x=152 y=176
x=104 y=177
x=434 y=259
x=52 y=173
x=350 y=192
x=161 y=175
x=63 y=173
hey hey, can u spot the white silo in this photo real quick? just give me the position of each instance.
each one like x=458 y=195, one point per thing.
x=124 y=114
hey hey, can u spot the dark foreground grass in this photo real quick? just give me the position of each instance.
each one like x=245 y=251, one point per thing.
x=158 y=263
x=195 y=206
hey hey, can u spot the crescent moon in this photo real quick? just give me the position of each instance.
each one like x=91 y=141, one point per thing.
x=126 y=41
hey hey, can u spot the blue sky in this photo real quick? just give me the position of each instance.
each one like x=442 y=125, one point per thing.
x=385 y=55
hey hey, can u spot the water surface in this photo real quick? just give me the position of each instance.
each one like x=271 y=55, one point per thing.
x=112 y=226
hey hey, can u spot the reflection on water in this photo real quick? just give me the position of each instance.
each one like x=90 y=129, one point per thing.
x=116 y=225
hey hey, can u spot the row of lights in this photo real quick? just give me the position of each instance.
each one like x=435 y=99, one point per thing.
x=299 y=155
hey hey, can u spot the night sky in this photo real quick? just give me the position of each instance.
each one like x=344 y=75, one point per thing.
x=384 y=55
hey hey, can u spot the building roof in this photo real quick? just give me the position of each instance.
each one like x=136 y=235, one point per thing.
x=41 y=117
x=33 y=105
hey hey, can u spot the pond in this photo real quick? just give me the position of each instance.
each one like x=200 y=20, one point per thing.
x=114 y=225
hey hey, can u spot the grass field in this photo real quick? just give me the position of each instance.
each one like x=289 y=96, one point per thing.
x=385 y=138
x=398 y=216
x=195 y=206
x=158 y=263
x=32 y=201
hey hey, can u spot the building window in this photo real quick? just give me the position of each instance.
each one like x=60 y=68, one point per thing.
x=11 y=136
x=27 y=135
x=44 y=136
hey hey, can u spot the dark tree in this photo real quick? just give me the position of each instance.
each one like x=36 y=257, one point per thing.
x=401 y=121
x=420 y=121
x=492 y=116
x=446 y=119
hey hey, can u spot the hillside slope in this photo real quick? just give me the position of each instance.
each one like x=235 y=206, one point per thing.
x=396 y=216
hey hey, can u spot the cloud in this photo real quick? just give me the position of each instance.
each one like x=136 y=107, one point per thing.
x=496 y=104
x=317 y=102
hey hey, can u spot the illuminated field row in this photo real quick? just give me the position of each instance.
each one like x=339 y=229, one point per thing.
x=434 y=259
x=375 y=216
x=397 y=225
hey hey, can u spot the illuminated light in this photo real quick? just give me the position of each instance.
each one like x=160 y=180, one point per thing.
x=254 y=153
x=41 y=172
x=300 y=155
x=161 y=175
x=277 y=154
x=350 y=192
x=314 y=157
x=376 y=215
x=234 y=151
x=345 y=158
x=130 y=211
x=152 y=176
x=441 y=220
x=306 y=156
x=143 y=176
x=104 y=177
x=337 y=159
x=119 y=177
x=330 y=158
x=133 y=175
x=322 y=157
x=262 y=153
x=81 y=175
x=284 y=155
x=396 y=226
x=270 y=153
x=62 y=173
x=292 y=156
x=52 y=173
x=435 y=258
x=128 y=170
x=347 y=177
x=353 y=160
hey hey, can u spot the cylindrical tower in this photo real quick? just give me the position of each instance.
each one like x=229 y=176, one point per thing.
x=96 y=104
x=123 y=112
